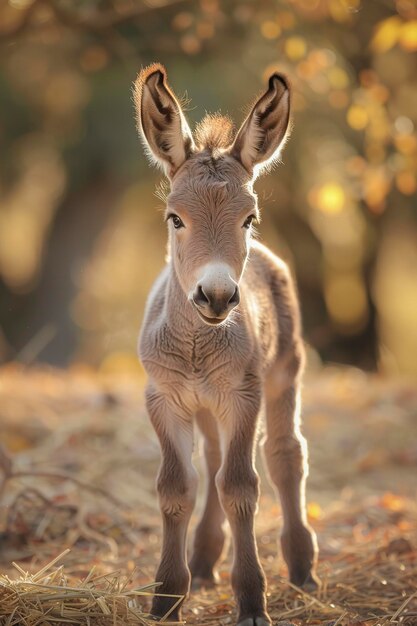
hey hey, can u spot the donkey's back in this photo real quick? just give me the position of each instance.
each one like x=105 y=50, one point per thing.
x=274 y=305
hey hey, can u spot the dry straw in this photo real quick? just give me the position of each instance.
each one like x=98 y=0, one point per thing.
x=48 y=597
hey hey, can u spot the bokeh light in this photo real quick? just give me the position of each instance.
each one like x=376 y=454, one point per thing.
x=81 y=231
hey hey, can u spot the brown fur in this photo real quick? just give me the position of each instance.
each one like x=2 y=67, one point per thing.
x=214 y=132
x=220 y=339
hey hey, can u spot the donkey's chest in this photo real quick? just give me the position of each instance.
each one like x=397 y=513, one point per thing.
x=196 y=367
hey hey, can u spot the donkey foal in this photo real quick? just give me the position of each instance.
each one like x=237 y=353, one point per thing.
x=221 y=341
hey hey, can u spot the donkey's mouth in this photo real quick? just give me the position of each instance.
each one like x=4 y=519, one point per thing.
x=211 y=321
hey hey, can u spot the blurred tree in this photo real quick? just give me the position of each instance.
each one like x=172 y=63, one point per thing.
x=80 y=240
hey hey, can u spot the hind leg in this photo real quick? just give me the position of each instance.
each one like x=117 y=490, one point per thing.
x=209 y=537
x=285 y=452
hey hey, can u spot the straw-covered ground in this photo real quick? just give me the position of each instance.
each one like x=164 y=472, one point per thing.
x=80 y=530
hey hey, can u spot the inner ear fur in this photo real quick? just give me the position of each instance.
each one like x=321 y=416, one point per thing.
x=262 y=135
x=160 y=120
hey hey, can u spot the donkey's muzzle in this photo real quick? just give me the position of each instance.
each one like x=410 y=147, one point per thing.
x=214 y=305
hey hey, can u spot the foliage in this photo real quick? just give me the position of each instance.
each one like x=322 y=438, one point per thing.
x=80 y=239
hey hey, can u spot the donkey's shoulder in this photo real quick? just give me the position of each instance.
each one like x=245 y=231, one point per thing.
x=155 y=312
x=157 y=294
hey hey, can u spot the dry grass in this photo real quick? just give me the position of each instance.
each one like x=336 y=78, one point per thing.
x=368 y=570
x=369 y=576
x=78 y=470
x=47 y=597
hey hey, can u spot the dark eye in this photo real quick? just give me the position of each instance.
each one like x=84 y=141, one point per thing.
x=177 y=221
x=248 y=221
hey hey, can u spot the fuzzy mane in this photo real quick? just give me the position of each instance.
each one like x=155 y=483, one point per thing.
x=214 y=132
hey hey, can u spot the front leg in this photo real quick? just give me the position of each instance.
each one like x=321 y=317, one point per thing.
x=176 y=486
x=238 y=485
x=209 y=537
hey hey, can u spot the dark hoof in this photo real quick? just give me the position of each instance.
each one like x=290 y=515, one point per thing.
x=304 y=578
x=311 y=583
x=255 y=621
x=161 y=606
x=199 y=582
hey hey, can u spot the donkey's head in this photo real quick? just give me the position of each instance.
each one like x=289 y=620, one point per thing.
x=211 y=204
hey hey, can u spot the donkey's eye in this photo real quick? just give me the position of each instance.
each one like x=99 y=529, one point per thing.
x=248 y=221
x=177 y=221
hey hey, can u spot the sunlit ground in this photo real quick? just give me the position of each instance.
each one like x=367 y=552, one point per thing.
x=85 y=460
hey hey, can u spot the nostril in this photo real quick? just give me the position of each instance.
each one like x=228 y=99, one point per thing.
x=200 y=297
x=235 y=299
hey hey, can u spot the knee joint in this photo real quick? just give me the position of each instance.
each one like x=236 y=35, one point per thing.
x=286 y=455
x=177 y=494
x=285 y=446
x=294 y=359
x=238 y=496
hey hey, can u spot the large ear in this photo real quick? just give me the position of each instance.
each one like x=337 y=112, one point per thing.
x=160 y=120
x=262 y=134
